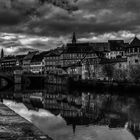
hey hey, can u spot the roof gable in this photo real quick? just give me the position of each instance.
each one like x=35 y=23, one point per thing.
x=135 y=42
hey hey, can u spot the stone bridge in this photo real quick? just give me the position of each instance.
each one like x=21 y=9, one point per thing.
x=9 y=77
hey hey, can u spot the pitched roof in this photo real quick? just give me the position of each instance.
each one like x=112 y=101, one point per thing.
x=116 y=45
x=8 y=58
x=135 y=42
x=39 y=56
x=20 y=56
x=86 y=47
x=55 y=52
x=30 y=55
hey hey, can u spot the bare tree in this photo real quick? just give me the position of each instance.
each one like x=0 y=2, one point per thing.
x=108 y=70
x=134 y=73
x=120 y=75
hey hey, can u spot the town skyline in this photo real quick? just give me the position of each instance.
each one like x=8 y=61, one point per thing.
x=13 y=43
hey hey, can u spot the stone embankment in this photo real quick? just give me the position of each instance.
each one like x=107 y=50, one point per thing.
x=14 y=127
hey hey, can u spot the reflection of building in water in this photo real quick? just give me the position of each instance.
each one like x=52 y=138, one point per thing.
x=3 y=83
x=17 y=87
x=33 y=101
x=51 y=103
x=55 y=89
x=29 y=106
x=82 y=108
x=85 y=100
x=36 y=100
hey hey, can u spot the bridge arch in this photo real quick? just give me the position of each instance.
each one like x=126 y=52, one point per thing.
x=7 y=77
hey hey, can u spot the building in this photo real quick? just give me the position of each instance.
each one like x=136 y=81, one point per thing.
x=116 y=49
x=10 y=63
x=27 y=61
x=52 y=61
x=133 y=52
x=19 y=59
x=80 y=59
x=85 y=60
x=37 y=64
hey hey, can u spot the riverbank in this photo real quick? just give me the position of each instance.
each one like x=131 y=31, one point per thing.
x=124 y=86
x=13 y=127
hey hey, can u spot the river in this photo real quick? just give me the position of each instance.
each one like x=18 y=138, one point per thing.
x=68 y=114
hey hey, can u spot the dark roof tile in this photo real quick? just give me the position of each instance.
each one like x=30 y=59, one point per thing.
x=39 y=56
x=135 y=42
x=86 y=47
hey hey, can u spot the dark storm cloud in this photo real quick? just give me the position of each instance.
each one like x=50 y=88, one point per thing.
x=92 y=16
x=9 y=17
x=13 y=11
x=91 y=5
x=101 y=18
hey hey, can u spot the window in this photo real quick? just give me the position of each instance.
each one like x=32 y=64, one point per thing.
x=131 y=50
x=135 y=49
x=120 y=65
x=136 y=61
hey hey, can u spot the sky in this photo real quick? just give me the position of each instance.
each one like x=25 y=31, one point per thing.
x=47 y=24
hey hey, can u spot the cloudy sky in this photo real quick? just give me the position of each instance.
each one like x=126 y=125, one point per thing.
x=45 y=24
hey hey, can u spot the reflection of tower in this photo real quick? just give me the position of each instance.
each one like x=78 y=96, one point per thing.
x=74 y=128
x=2 y=53
x=86 y=100
x=74 y=38
x=88 y=104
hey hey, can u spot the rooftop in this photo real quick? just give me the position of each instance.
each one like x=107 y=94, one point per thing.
x=39 y=56
x=135 y=42
x=8 y=58
x=55 y=52
x=116 y=45
x=86 y=47
x=30 y=55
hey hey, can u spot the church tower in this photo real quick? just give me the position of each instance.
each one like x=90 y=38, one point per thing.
x=74 y=38
x=2 y=53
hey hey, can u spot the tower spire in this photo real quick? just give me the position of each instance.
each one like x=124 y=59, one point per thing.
x=74 y=38
x=2 y=53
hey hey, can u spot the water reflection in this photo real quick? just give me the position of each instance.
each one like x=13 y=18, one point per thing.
x=76 y=115
x=3 y=83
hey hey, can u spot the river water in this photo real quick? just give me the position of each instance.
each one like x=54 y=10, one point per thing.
x=70 y=114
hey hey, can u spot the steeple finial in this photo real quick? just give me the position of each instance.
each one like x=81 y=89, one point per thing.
x=74 y=38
